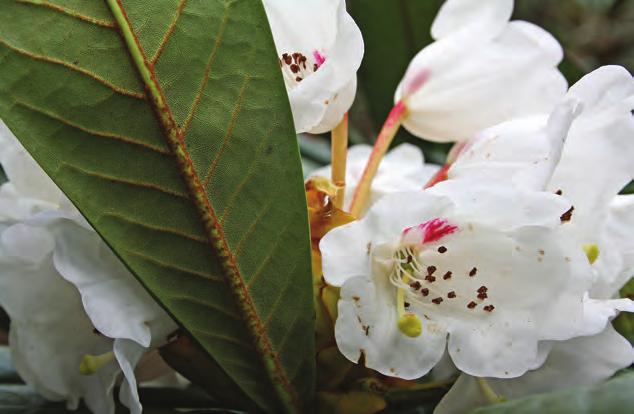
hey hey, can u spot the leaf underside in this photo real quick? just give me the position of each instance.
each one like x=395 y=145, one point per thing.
x=228 y=248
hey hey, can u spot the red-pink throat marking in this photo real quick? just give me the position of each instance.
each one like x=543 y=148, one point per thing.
x=425 y=287
x=296 y=66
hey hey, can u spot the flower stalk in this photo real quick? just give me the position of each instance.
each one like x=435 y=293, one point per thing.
x=382 y=144
x=339 y=154
x=489 y=393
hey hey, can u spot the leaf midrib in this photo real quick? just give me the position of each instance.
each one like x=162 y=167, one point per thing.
x=213 y=228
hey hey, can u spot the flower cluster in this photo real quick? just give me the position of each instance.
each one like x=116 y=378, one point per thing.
x=80 y=322
x=510 y=261
x=503 y=266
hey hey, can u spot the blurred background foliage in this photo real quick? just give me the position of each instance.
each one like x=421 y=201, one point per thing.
x=592 y=33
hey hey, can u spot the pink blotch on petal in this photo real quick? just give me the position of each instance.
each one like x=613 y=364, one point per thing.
x=413 y=83
x=432 y=230
x=319 y=58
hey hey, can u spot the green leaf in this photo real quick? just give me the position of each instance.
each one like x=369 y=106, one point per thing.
x=167 y=123
x=614 y=397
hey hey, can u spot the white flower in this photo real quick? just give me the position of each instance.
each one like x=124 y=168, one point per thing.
x=320 y=50
x=402 y=169
x=73 y=305
x=595 y=164
x=480 y=71
x=589 y=170
x=579 y=361
x=487 y=267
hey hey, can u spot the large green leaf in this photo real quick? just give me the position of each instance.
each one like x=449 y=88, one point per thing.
x=613 y=397
x=167 y=123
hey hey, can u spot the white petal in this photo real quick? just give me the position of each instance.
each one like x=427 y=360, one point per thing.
x=50 y=334
x=24 y=173
x=615 y=264
x=475 y=84
x=528 y=280
x=117 y=304
x=128 y=354
x=367 y=325
x=603 y=135
x=488 y=203
x=522 y=152
x=346 y=249
x=28 y=243
x=326 y=27
x=579 y=361
x=482 y=18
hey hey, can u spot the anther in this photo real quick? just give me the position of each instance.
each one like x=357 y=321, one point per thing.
x=567 y=216
x=482 y=295
x=424 y=291
x=472 y=305
x=437 y=300
x=447 y=275
x=473 y=272
x=489 y=308
x=442 y=249
x=430 y=278
x=415 y=285
x=431 y=270
x=451 y=294
x=483 y=289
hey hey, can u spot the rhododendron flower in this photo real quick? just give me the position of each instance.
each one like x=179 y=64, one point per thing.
x=513 y=153
x=481 y=70
x=79 y=319
x=320 y=50
x=402 y=169
x=486 y=268
x=601 y=222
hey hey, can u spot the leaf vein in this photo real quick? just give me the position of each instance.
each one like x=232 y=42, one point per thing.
x=172 y=266
x=175 y=232
x=75 y=68
x=169 y=32
x=92 y=132
x=229 y=133
x=69 y=12
x=210 y=62
x=140 y=184
x=267 y=258
x=199 y=302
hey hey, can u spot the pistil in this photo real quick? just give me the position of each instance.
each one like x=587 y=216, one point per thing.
x=90 y=364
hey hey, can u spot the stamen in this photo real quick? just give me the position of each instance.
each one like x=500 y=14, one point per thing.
x=296 y=68
x=90 y=364
x=592 y=252
x=567 y=216
x=410 y=325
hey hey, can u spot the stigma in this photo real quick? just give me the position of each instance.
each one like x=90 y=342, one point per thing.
x=592 y=252
x=90 y=364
